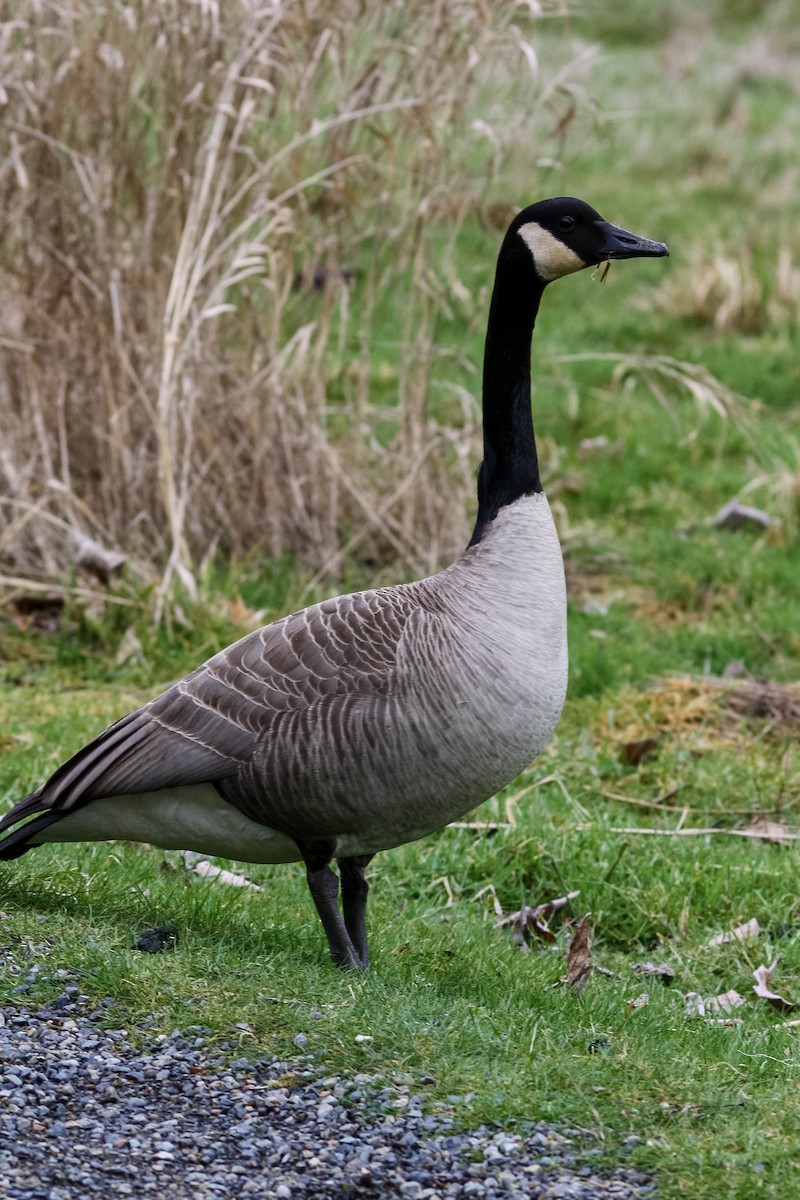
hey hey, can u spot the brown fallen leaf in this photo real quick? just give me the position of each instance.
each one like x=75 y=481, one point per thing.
x=637 y=751
x=579 y=956
x=242 y=614
x=530 y=922
x=697 y=1006
x=659 y=970
x=37 y=613
x=725 y=1002
x=742 y=933
x=761 y=987
x=639 y=1001
x=769 y=830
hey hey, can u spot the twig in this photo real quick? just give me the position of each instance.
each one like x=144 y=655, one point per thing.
x=680 y=808
x=754 y=835
x=657 y=803
x=565 y=793
x=479 y=826
x=32 y=585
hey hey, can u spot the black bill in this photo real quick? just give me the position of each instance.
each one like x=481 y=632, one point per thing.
x=621 y=244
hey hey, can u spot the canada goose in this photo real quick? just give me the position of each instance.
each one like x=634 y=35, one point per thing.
x=371 y=719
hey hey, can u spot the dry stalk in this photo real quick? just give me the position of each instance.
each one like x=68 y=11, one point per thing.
x=172 y=177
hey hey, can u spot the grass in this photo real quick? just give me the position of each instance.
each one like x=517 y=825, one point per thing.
x=448 y=993
x=690 y=141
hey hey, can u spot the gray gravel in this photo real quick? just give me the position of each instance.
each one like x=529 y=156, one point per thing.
x=83 y=1112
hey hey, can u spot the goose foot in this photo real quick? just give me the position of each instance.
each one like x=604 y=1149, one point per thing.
x=347 y=936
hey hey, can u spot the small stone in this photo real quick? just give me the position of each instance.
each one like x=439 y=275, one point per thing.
x=169 y=1116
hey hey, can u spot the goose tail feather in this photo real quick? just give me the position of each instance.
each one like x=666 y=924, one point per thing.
x=19 y=842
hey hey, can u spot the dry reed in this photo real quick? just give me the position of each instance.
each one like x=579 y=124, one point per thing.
x=206 y=207
x=729 y=294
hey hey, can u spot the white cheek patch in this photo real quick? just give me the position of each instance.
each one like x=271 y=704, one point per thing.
x=551 y=257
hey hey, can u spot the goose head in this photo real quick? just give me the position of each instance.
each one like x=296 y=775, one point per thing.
x=565 y=235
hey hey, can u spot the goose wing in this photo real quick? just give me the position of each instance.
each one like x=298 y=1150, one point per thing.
x=207 y=727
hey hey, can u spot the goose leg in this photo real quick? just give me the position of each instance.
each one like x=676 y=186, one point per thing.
x=354 y=902
x=323 y=884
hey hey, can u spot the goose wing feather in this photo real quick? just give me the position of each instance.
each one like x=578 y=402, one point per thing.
x=208 y=726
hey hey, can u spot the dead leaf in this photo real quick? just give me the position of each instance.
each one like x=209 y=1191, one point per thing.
x=529 y=921
x=579 y=956
x=725 y=1002
x=637 y=751
x=232 y=879
x=763 y=979
x=695 y=1004
x=241 y=614
x=659 y=970
x=769 y=830
x=734 y=515
x=742 y=933
x=639 y=1001
x=38 y=613
x=104 y=564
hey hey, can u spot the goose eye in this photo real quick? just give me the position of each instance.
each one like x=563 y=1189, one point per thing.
x=566 y=223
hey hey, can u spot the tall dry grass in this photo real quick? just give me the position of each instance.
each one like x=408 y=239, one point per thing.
x=728 y=294
x=171 y=174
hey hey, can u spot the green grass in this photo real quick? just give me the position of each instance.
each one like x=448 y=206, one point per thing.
x=448 y=993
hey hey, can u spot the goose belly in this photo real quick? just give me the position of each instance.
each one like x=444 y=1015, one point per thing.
x=448 y=773
x=194 y=817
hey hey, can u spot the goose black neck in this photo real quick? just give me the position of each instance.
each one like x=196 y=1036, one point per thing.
x=510 y=468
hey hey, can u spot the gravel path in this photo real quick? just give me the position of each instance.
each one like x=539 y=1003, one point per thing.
x=84 y=1113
